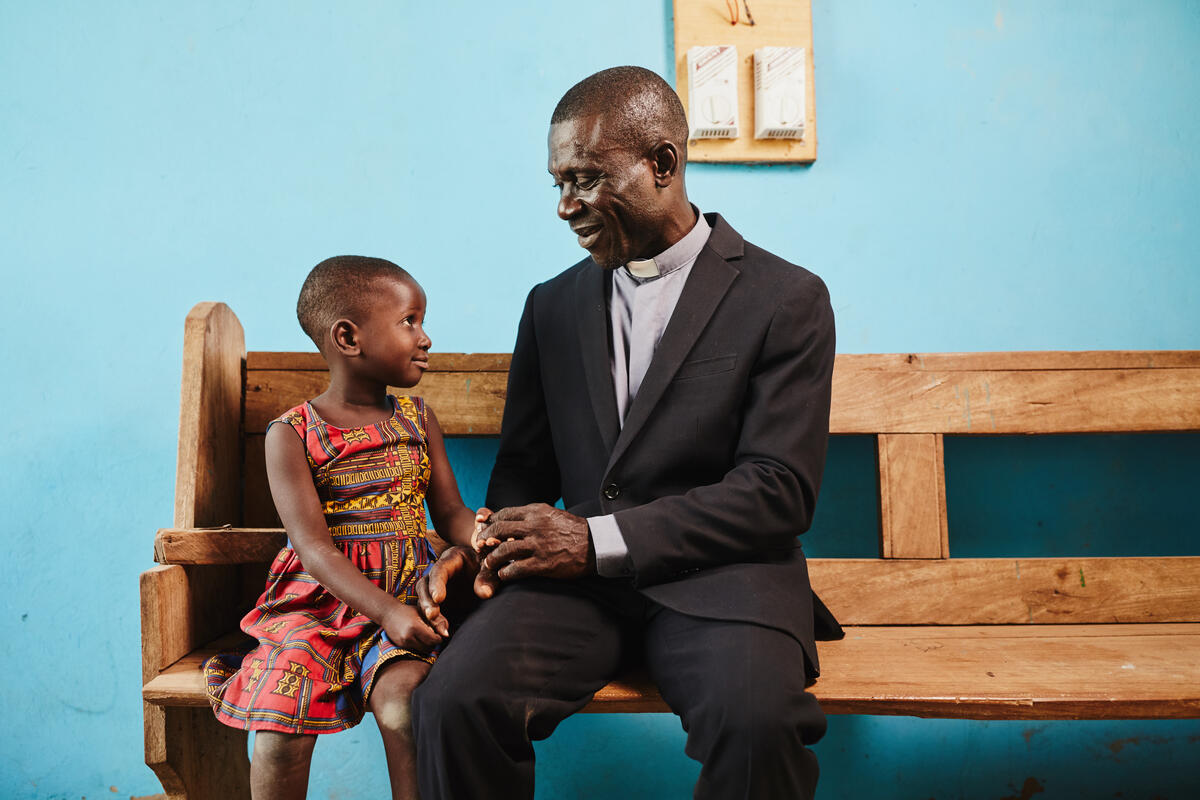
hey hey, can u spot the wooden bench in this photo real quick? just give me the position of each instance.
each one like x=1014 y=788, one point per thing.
x=926 y=635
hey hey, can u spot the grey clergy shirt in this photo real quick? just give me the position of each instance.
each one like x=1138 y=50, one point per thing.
x=644 y=295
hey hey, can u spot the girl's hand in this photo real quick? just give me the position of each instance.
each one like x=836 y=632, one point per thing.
x=480 y=541
x=405 y=628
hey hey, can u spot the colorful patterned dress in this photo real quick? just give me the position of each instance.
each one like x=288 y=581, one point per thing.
x=317 y=658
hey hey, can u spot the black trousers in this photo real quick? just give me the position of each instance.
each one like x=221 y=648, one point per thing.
x=537 y=652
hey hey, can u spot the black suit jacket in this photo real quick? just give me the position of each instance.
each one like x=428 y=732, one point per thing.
x=717 y=468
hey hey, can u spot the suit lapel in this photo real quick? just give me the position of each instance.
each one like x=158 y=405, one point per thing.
x=706 y=285
x=593 y=345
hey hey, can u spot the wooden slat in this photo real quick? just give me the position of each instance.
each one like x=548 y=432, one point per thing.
x=258 y=508
x=634 y=693
x=1016 y=361
x=184 y=606
x=197 y=546
x=207 y=488
x=970 y=393
x=1009 y=361
x=269 y=394
x=957 y=591
x=1008 y=402
x=438 y=362
x=871 y=591
x=217 y=546
x=165 y=632
x=1001 y=591
x=183 y=744
x=467 y=402
x=182 y=683
x=1027 y=672
x=181 y=607
x=471 y=402
x=279 y=360
x=994 y=672
x=912 y=496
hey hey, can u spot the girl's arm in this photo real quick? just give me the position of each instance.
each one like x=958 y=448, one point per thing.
x=458 y=525
x=300 y=511
x=451 y=518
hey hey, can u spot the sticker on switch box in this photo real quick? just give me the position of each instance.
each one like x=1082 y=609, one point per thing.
x=779 y=92
x=712 y=92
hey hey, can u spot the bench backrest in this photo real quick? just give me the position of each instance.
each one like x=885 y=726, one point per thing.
x=908 y=402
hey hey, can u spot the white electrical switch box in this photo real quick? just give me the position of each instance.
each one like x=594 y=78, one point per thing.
x=712 y=92
x=779 y=92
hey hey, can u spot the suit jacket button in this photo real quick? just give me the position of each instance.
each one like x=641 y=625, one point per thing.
x=612 y=491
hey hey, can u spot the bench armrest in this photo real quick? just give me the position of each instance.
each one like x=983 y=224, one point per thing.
x=225 y=545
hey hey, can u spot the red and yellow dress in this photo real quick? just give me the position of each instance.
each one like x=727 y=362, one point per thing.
x=317 y=658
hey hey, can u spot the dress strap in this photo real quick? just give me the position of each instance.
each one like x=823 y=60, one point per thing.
x=294 y=417
x=411 y=416
x=422 y=416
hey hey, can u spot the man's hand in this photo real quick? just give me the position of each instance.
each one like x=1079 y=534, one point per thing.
x=539 y=540
x=454 y=565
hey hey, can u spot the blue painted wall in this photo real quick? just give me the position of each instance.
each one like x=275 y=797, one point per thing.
x=992 y=176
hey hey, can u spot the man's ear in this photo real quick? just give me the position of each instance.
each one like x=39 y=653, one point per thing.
x=664 y=158
x=344 y=335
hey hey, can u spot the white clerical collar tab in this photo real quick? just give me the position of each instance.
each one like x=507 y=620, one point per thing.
x=647 y=268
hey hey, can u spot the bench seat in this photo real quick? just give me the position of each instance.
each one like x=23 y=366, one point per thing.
x=973 y=672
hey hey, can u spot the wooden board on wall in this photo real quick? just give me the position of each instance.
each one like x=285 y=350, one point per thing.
x=778 y=23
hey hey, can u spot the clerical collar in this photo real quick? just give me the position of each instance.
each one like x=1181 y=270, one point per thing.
x=643 y=268
x=677 y=255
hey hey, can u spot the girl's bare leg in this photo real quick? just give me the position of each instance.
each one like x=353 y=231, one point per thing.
x=391 y=703
x=279 y=767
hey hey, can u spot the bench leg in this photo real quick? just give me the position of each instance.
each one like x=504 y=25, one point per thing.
x=194 y=756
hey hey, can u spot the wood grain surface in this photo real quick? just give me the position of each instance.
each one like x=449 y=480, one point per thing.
x=1008 y=591
x=207 y=485
x=778 y=23
x=912 y=496
x=969 y=393
x=1147 y=671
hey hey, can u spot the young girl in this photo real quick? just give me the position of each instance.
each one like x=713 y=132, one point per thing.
x=350 y=471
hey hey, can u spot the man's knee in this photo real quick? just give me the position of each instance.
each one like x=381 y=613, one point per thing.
x=454 y=693
x=427 y=699
x=764 y=720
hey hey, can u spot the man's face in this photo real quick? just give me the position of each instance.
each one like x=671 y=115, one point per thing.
x=606 y=192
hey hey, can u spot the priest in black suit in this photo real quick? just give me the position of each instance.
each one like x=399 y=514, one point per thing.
x=673 y=391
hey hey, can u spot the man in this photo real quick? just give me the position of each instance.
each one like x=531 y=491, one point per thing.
x=673 y=390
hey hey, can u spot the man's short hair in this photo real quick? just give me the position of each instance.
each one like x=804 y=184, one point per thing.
x=338 y=288
x=643 y=107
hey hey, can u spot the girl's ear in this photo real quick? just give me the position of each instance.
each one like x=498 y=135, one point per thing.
x=344 y=334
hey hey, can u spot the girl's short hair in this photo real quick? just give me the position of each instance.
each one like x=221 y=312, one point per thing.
x=338 y=288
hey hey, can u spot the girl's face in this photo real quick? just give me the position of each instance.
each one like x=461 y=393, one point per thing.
x=394 y=347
